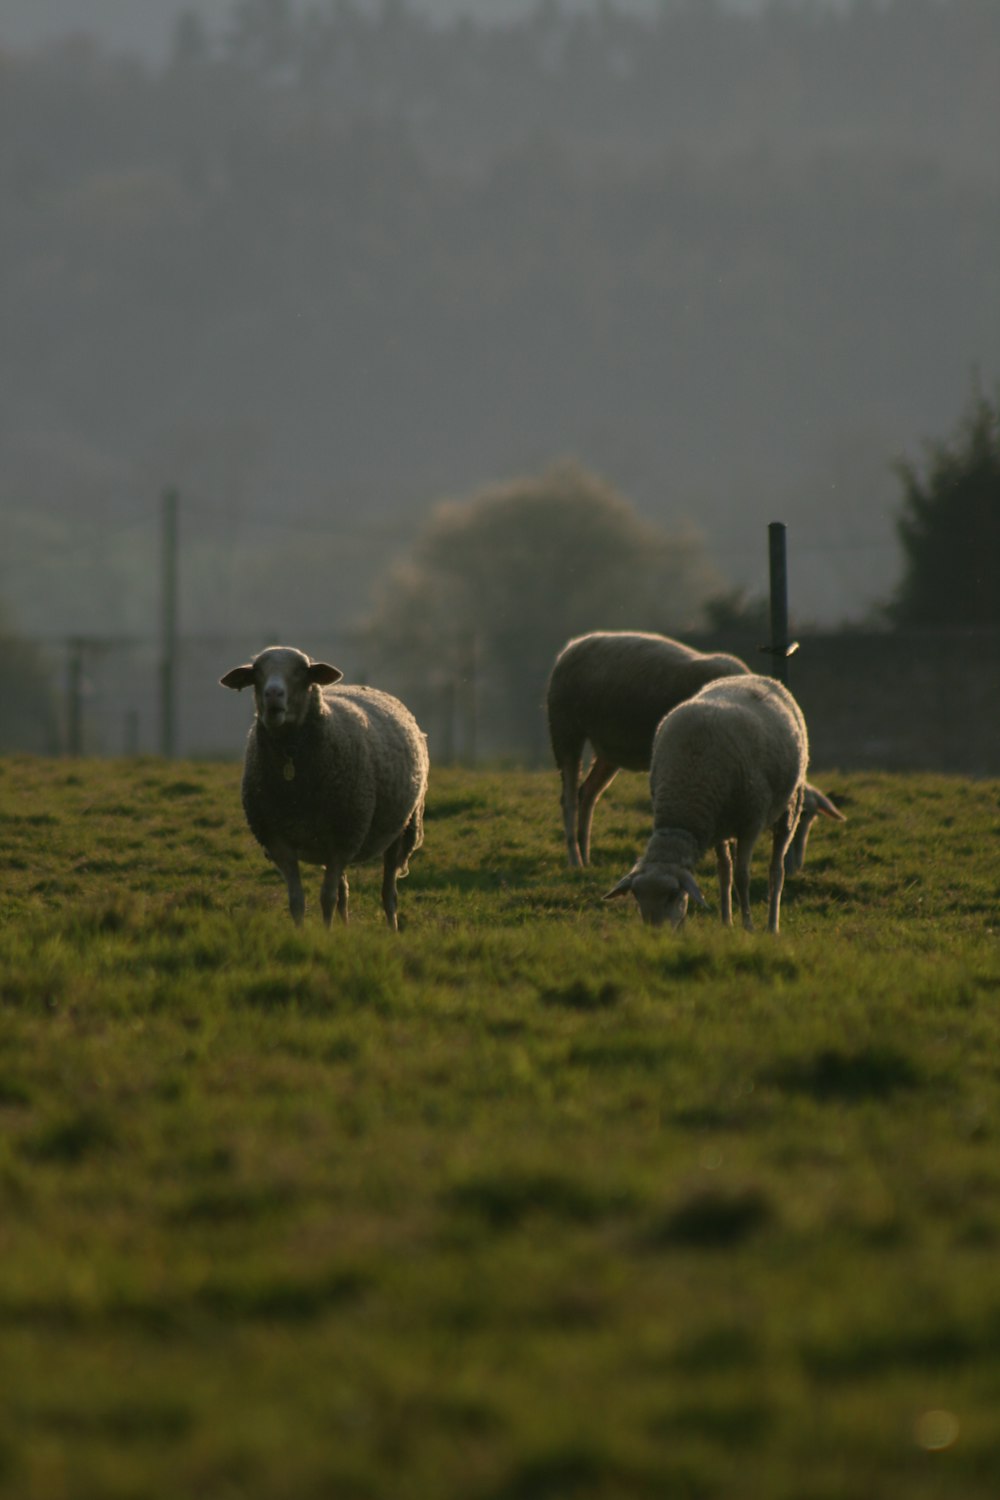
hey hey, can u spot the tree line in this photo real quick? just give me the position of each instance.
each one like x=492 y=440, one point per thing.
x=623 y=78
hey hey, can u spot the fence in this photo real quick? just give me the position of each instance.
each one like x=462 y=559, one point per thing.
x=908 y=700
x=914 y=700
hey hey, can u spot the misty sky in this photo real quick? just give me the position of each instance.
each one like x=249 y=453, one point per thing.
x=737 y=270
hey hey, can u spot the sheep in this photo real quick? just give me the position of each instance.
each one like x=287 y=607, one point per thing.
x=333 y=774
x=726 y=764
x=814 y=803
x=613 y=687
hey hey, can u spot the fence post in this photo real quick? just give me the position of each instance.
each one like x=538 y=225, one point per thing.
x=74 y=697
x=471 y=696
x=780 y=648
x=168 y=638
x=130 y=733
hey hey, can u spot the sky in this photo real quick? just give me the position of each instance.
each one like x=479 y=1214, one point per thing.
x=840 y=260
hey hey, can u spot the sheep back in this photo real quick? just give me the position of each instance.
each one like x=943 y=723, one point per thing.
x=613 y=688
x=727 y=762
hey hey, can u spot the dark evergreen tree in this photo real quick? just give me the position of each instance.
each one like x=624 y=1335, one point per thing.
x=950 y=527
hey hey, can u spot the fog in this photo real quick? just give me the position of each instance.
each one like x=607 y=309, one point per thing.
x=320 y=271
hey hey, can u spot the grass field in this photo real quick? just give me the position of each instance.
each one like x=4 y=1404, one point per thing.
x=526 y=1203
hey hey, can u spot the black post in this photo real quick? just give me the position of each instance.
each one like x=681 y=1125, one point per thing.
x=168 y=639
x=780 y=648
x=778 y=571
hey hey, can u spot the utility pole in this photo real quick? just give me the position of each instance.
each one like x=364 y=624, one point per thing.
x=168 y=624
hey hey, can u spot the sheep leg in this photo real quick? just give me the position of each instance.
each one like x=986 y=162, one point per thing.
x=600 y=776
x=289 y=866
x=332 y=892
x=781 y=841
x=744 y=852
x=569 y=771
x=724 y=862
x=389 y=867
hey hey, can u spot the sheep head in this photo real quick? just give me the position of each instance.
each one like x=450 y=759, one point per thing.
x=283 y=680
x=662 y=893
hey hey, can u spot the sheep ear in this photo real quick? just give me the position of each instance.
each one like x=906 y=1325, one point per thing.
x=323 y=673
x=689 y=884
x=823 y=805
x=623 y=888
x=239 y=677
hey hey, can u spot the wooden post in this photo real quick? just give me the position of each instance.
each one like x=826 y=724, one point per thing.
x=74 y=697
x=448 y=700
x=130 y=734
x=168 y=637
x=471 y=696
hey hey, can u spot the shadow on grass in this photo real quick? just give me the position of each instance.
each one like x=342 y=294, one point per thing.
x=713 y=1219
x=516 y=871
x=285 y=1298
x=504 y=1200
x=586 y=1471
x=875 y=1351
x=71 y=1138
x=122 y=1422
x=581 y=995
x=872 y=1072
x=453 y=807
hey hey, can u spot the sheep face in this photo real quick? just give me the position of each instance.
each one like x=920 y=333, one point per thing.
x=662 y=895
x=282 y=679
x=814 y=803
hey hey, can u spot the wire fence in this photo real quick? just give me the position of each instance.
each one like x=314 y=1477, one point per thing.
x=902 y=700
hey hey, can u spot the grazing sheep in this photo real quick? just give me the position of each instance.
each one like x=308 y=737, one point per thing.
x=726 y=764
x=613 y=687
x=813 y=804
x=332 y=775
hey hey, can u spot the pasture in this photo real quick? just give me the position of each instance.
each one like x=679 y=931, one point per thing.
x=526 y=1203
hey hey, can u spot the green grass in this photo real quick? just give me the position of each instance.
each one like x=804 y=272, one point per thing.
x=526 y=1203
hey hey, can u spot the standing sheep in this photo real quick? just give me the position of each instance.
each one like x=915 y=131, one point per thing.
x=332 y=775
x=613 y=687
x=727 y=764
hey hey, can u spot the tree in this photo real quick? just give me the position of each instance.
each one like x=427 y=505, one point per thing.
x=496 y=584
x=949 y=527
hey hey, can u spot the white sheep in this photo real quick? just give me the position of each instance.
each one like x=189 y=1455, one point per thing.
x=726 y=764
x=814 y=803
x=612 y=688
x=332 y=775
